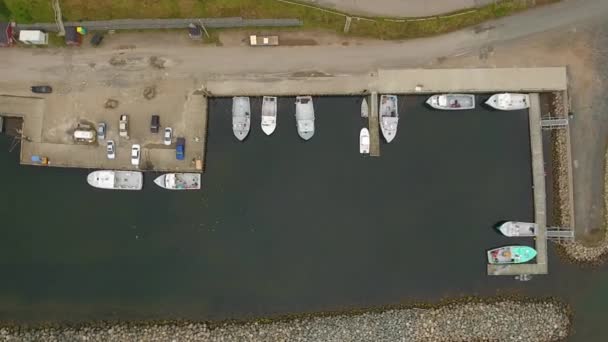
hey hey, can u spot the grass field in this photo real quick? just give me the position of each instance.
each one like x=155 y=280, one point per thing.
x=74 y=10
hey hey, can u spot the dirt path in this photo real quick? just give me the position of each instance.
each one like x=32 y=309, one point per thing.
x=400 y=8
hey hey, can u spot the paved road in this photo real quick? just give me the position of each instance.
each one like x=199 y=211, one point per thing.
x=400 y=8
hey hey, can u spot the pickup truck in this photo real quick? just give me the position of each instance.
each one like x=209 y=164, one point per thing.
x=123 y=126
x=180 y=148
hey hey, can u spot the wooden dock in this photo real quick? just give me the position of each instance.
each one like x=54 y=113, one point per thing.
x=374 y=126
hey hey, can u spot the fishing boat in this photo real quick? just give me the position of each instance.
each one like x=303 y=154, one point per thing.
x=509 y=101
x=364 y=108
x=116 y=180
x=364 y=141
x=511 y=255
x=241 y=117
x=179 y=181
x=389 y=117
x=269 y=114
x=452 y=101
x=305 y=117
x=517 y=229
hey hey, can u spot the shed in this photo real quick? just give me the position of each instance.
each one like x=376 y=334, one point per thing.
x=6 y=34
x=72 y=37
x=33 y=37
x=195 y=32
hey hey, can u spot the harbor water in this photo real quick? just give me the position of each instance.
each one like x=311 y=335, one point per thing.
x=285 y=226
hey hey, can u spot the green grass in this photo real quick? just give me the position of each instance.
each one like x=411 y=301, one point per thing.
x=75 y=10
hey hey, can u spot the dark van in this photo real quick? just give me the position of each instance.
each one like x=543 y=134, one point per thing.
x=155 y=124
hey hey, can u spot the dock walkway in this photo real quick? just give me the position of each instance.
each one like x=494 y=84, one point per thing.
x=374 y=127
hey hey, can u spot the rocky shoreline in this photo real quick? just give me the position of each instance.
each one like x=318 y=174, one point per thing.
x=471 y=320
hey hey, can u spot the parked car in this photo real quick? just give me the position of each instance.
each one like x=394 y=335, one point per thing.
x=42 y=89
x=96 y=40
x=168 y=135
x=155 y=124
x=180 y=148
x=110 y=149
x=135 y=154
x=101 y=130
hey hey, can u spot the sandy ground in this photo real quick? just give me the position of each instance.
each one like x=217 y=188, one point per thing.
x=399 y=8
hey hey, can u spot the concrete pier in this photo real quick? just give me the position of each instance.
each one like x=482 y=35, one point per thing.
x=374 y=126
x=540 y=201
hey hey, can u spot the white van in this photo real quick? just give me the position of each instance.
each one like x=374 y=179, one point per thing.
x=84 y=136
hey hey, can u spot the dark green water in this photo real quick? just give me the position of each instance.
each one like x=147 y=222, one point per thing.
x=284 y=226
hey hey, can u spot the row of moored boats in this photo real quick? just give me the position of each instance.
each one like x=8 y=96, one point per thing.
x=514 y=254
x=134 y=180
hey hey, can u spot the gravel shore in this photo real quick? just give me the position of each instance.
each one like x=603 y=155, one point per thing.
x=506 y=320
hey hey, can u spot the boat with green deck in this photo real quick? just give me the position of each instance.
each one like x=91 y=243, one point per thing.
x=511 y=255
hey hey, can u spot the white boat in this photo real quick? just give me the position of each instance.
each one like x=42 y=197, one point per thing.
x=241 y=117
x=389 y=117
x=364 y=141
x=269 y=114
x=452 y=101
x=305 y=117
x=116 y=180
x=509 y=101
x=364 y=108
x=517 y=229
x=179 y=181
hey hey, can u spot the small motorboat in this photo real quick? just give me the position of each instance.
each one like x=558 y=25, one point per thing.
x=179 y=181
x=511 y=255
x=517 y=229
x=364 y=141
x=241 y=117
x=389 y=117
x=269 y=114
x=364 y=109
x=452 y=101
x=116 y=180
x=509 y=101
x=305 y=117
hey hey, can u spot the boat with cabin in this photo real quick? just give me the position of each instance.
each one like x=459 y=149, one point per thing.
x=517 y=229
x=511 y=255
x=389 y=117
x=364 y=108
x=116 y=180
x=179 y=181
x=364 y=141
x=509 y=101
x=452 y=101
x=305 y=117
x=269 y=114
x=241 y=117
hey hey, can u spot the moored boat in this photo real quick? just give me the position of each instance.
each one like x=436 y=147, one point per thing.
x=364 y=108
x=116 y=180
x=516 y=229
x=269 y=114
x=511 y=255
x=364 y=141
x=509 y=101
x=452 y=101
x=241 y=117
x=389 y=117
x=179 y=181
x=305 y=117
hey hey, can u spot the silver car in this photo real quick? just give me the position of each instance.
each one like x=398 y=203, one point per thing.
x=168 y=136
x=101 y=130
x=110 y=149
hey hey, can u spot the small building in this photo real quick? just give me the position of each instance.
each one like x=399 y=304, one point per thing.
x=195 y=32
x=33 y=37
x=6 y=34
x=72 y=37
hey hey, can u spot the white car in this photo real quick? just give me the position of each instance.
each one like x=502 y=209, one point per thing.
x=135 y=154
x=168 y=135
x=110 y=149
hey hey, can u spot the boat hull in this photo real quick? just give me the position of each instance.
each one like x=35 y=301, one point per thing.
x=452 y=101
x=517 y=229
x=364 y=141
x=511 y=255
x=305 y=117
x=269 y=114
x=241 y=117
x=364 y=109
x=179 y=181
x=389 y=117
x=116 y=180
x=509 y=101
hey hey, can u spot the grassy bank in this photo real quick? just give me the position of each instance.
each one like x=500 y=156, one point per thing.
x=27 y=11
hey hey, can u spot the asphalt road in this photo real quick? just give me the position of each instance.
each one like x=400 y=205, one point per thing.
x=399 y=8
